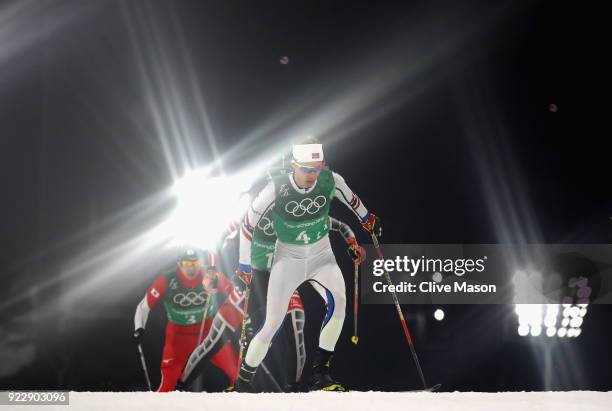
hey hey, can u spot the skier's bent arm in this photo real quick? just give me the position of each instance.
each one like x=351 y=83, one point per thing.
x=142 y=313
x=342 y=228
x=350 y=199
x=155 y=294
x=262 y=203
x=355 y=251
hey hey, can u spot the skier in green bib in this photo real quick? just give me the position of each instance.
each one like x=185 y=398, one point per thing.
x=185 y=294
x=299 y=204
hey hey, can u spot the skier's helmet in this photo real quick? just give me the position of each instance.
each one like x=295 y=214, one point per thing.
x=192 y=257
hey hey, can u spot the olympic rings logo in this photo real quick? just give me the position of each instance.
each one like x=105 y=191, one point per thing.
x=266 y=225
x=191 y=298
x=307 y=205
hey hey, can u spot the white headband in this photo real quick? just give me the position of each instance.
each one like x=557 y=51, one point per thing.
x=306 y=153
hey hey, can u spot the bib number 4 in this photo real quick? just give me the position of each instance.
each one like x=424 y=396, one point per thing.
x=303 y=237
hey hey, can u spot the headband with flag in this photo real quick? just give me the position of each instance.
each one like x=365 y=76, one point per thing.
x=306 y=153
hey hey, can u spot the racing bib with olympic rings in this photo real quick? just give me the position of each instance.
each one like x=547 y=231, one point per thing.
x=302 y=218
x=186 y=305
x=264 y=243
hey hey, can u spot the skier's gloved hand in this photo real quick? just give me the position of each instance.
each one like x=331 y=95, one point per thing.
x=138 y=335
x=211 y=281
x=355 y=251
x=372 y=225
x=243 y=277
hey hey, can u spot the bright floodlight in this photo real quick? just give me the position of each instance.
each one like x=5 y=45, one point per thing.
x=576 y=322
x=550 y=321
x=575 y=311
x=206 y=205
x=531 y=317
x=523 y=330
x=535 y=331
x=439 y=314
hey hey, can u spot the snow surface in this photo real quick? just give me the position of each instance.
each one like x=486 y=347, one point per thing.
x=353 y=401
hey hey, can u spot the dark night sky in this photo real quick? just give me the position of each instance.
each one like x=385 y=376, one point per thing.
x=79 y=146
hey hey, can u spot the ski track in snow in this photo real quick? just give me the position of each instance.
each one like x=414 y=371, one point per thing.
x=353 y=401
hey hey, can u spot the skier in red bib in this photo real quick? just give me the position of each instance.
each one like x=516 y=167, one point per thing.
x=186 y=295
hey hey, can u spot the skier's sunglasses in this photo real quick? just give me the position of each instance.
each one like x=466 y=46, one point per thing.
x=191 y=263
x=309 y=169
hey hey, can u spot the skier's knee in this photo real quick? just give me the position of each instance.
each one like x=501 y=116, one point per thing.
x=339 y=304
x=269 y=328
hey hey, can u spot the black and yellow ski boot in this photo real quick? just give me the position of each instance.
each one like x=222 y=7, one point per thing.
x=320 y=380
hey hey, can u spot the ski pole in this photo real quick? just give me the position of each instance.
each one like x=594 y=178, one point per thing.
x=399 y=312
x=269 y=374
x=144 y=366
x=354 y=338
x=244 y=321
